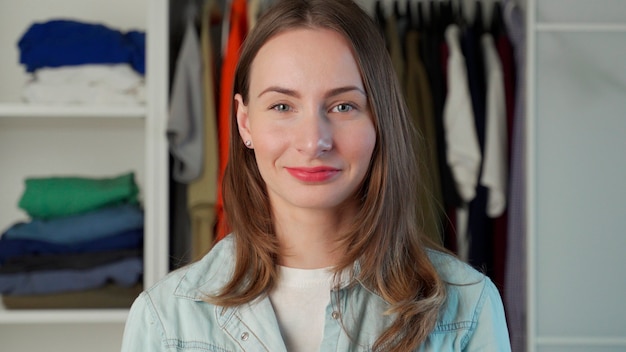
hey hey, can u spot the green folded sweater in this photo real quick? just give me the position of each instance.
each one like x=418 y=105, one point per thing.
x=51 y=197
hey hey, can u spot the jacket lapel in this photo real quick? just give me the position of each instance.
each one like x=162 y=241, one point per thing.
x=253 y=326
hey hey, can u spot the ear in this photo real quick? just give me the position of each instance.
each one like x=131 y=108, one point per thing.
x=243 y=122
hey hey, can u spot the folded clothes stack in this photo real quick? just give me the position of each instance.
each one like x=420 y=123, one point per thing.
x=82 y=247
x=74 y=62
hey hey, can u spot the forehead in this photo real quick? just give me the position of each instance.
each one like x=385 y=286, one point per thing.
x=306 y=55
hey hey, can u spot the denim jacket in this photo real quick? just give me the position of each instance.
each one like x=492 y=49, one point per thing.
x=172 y=316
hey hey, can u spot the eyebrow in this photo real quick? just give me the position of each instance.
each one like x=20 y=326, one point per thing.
x=293 y=93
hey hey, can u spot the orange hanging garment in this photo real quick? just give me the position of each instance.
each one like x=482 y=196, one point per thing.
x=237 y=32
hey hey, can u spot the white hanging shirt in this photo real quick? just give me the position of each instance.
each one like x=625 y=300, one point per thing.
x=463 y=150
x=495 y=164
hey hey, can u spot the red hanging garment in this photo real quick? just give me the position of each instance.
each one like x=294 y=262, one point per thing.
x=237 y=32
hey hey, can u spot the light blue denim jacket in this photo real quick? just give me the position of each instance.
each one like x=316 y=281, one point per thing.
x=171 y=315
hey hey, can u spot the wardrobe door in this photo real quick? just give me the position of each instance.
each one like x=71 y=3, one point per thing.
x=578 y=165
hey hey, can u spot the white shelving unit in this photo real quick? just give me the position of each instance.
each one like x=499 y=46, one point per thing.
x=17 y=110
x=54 y=316
x=98 y=141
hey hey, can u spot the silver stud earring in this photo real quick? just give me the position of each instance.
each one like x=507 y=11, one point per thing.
x=248 y=143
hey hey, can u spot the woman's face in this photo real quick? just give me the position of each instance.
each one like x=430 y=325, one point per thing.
x=308 y=120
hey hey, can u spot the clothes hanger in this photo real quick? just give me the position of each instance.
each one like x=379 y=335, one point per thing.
x=420 y=16
x=408 y=12
x=445 y=9
x=191 y=13
x=458 y=16
x=379 y=14
x=435 y=21
x=497 y=24
x=478 y=18
x=396 y=9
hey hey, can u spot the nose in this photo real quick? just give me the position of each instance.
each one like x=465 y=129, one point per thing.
x=315 y=135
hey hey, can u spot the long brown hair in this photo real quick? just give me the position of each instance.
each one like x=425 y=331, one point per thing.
x=386 y=236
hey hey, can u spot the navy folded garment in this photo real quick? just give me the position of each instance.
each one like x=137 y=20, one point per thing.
x=21 y=247
x=64 y=42
x=92 y=225
x=76 y=261
x=126 y=272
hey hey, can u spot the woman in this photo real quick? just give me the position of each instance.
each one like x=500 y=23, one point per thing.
x=327 y=252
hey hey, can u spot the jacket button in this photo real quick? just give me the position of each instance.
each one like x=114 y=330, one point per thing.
x=335 y=315
x=245 y=336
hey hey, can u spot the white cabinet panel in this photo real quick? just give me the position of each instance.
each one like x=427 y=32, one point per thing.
x=61 y=338
x=585 y=11
x=582 y=348
x=580 y=206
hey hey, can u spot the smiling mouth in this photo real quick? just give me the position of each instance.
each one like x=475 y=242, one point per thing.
x=314 y=174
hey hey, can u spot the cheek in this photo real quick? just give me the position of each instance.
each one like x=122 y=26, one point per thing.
x=360 y=145
x=366 y=153
x=269 y=142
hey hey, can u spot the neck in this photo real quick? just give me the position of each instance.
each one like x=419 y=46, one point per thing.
x=309 y=238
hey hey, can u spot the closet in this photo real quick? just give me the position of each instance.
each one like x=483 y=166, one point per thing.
x=89 y=140
x=566 y=260
x=435 y=16
x=431 y=18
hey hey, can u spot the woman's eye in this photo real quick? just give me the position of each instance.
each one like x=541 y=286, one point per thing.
x=343 y=108
x=281 y=107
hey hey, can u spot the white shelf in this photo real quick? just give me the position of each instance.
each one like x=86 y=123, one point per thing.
x=63 y=316
x=71 y=111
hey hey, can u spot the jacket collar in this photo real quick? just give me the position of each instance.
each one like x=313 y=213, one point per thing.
x=213 y=272
x=246 y=324
x=208 y=275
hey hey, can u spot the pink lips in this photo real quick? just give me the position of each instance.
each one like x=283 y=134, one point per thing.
x=313 y=174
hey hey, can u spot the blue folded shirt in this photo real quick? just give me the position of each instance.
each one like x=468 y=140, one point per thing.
x=92 y=225
x=62 y=42
x=14 y=248
x=126 y=272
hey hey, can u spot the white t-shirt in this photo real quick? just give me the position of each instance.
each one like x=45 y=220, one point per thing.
x=299 y=300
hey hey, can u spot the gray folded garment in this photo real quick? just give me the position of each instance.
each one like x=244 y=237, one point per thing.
x=106 y=297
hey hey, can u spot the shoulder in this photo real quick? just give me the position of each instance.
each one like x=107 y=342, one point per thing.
x=452 y=270
x=466 y=287
x=196 y=280
x=184 y=288
x=173 y=312
x=473 y=306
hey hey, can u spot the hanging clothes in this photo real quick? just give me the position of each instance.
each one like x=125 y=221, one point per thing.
x=495 y=175
x=184 y=126
x=515 y=279
x=254 y=10
x=202 y=193
x=463 y=152
x=238 y=29
x=500 y=223
x=433 y=52
x=495 y=166
x=420 y=105
x=495 y=159
x=479 y=225
x=185 y=121
x=488 y=224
